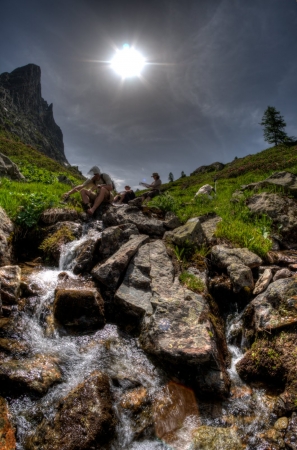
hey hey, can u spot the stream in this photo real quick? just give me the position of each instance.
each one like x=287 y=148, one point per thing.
x=175 y=413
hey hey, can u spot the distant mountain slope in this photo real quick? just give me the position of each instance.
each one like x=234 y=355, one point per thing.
x=26 y=115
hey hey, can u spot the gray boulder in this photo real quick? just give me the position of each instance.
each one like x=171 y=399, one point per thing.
x=111 y=270
x=54 y=215
x=282 y=273
x=171 y=221
x=223 y=256
x=241 y=277
x=6 y=230
x=209 y=223
x=9 y=169
x=190 y=233
x=131 y=214
x=113 y=237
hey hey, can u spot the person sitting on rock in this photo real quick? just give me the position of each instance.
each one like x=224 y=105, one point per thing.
x=154 y=188
x=94 y=190
x=125 y=196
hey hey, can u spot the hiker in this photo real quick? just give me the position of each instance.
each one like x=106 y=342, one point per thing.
x=100 y=183
x=125 y=196
x=153 y=188
x=207 y=190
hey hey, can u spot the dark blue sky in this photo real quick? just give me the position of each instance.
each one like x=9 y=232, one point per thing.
x=218 y=64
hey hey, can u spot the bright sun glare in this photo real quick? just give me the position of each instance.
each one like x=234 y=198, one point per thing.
x=128 y=62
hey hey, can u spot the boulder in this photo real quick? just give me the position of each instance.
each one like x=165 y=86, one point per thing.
x=131 y=214
x=84 y=419
x=241 y=277
x=110 y=271
x=282 y=211
x=7 y=431
x=274 y=308
x=133 y=298
x=6 y=230
x=55 y=240
x=79 y=309
x=263 y=282
x=54 y=215
x=179 y=333
x=113 y=237
x=209 y=223
x=35 y=375
x=283 y=257
x=9 y=169
x=190 y=233
x=222 y=256
x=284 y=179
x=214 y=438
x=10 y=282
x=171 y=221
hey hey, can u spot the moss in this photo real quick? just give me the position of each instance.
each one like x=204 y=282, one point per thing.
x=52 y=244
x=192 y=282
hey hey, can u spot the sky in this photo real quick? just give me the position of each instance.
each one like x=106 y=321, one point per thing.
x=212 y=68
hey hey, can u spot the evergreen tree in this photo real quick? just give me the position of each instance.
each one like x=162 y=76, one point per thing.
x=274 y=125
x=170 y=177
x=183 y=175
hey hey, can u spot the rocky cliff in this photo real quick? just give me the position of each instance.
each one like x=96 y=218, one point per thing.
x=25 y=114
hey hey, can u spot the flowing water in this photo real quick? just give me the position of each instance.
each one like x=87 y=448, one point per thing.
x=175 y=413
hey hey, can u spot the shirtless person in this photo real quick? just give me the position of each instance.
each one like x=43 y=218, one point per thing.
x=100 y=183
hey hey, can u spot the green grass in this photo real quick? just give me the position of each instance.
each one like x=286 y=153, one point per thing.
x=192 y=282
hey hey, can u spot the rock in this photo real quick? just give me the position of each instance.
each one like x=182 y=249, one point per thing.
x=109 y=273
x=34 y=374
x=291 y=433
x=223 y=256
x=113 y=237
x=282 y=273
x=84 y=419
x=214 y=438
x=287 y=180
x=282 y=211
x=55 y=240
x=190 y=233
x=135 y=202
x=79 y=309
x=7 y=431
x=281 y=424
x=179 y=332
x=131 y=214
x=209 y=223
x=133 y=298
x=214 y=167
x=171 y=221
x=9 y=169
x=272 y=439
x=6 y=230
x=13 y=346
x=25 y=114
x=274 y=308
x=263 y=282
x=10 y=277
x=54 y=215
x=241 y=277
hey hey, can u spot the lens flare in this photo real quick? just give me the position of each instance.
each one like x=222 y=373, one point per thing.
x=128 y=62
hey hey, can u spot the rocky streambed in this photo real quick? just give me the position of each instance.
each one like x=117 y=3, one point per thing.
x=107 y=348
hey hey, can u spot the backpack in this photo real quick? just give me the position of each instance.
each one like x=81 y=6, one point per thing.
x=112 y=182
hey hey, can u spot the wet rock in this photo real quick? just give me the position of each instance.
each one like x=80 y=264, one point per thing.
x=272 y=439
x=274 y=308
x=171 y=221
x=34 y=374
x=85 y=254
x=214 y=438
x=84 y=419
x=131 y=214
x=10 y=277
x=74 y=227
x=55 y=240
x=6 y=230
x=281 y=424
x=137 y=405
x=291 y=433
x=241 y=277
x=113 y=237
x=190 y=233
x=109 y=273
x=54 y=215
x=13 y=346
x=263 y=282
x=223 y=256
x=79 y=309
x=133 y=298
x=282 y=273
x=7 y=431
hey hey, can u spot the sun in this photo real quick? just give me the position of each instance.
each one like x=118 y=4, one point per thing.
x=128 y=62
